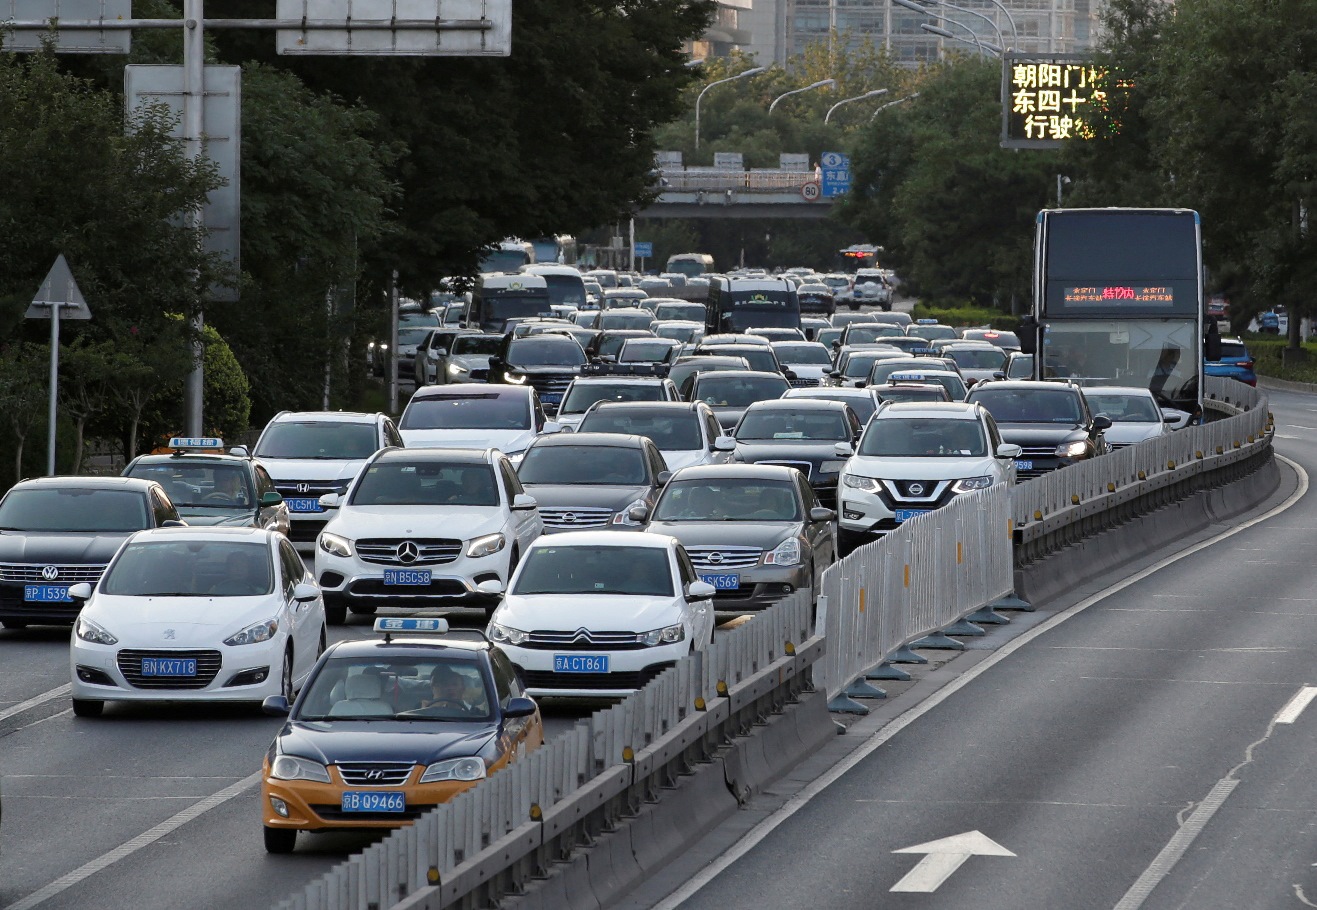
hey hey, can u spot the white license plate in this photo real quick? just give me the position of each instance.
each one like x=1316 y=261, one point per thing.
x=304 y=505
x=907 y=514
x=169 y=666
x=46 y=593
x=406 y=576
x=727 y=581
x=373 y=801
x=1023 y=465
x=580 y=663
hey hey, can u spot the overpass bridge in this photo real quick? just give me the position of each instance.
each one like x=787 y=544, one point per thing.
x=755 y=193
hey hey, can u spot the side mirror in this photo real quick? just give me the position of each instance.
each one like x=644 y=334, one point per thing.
x=861 y=384
x=1009 y=450
x=305 y=592
x=844 y=449
x=240 y=451
x=998 y=374
x=664 y=477
x=519 y=707
x=639 y=514
x=818 y=513
x=700 y=590
x=521 y=502
x=724 y=444
x=492 y=587
x=1101 y=422
x=271 y=499
x=551 y=427
x=276 y=705
x=439 y=352
x=789 y=374
x=328 y=501
x=835 y=374
x=81 y=591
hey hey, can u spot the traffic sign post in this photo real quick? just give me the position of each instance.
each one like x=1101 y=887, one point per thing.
x=836 y=169
x=57 y=297
x=810 y=192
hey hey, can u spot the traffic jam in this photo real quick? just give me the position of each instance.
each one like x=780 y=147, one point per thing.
x=588 y=479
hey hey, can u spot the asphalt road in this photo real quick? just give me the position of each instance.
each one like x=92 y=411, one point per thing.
x=1135 y=755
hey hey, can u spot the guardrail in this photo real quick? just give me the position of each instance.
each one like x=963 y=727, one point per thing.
x=752 y=181
x=494 y=839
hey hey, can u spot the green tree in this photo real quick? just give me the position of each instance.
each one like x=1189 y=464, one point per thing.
x=86 y=377
x=22 y=398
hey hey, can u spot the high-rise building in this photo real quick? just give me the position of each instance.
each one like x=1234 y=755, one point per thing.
x=727 y=33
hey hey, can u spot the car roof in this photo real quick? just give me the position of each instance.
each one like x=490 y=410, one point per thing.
x=737 y=375
x=953 y=410
x=457 y=648
x=646 y=406
x=839 y=391
x=1141 y=391
x=209 y=535
x=441 y=455
x=183 y=457
x=327 y=416
x=471 y=390
x=799 y=404
x=615 y=440
x=605 y=539
x=68 y=481
x=748 y=471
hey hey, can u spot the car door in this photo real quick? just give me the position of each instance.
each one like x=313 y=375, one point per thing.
x=700 y=611
x=517 y=733
x=712 y=430
x=819 y=533
x=162 y=508
x=301 y=616
x=526 y=523
x=276 y=516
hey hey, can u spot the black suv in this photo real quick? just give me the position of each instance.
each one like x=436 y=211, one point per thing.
x=547 y=362
x=56 y=532
x=1049 y=420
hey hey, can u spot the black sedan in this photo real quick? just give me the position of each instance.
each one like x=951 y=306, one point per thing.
x=1050 y=421
x=591 y=481
x=814 y=437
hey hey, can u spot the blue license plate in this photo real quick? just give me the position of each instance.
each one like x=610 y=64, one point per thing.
x=728 y=581
x=406 y=576
x=907 y=514
x=46 y=593
x=368 y=801
x=551 y=398
x=169 y=666
x=1023 y=465
x=303 y=505
x=580 y=663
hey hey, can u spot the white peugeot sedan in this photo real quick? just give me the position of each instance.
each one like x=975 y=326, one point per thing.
x=196 y=614
x=601 y=613
x=425 y=527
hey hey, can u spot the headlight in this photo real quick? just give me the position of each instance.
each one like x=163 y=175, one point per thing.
x=787 y=553
x=867 y=484
x=516 y=378
x=621 y=518
x=1072 y=449
x=665 y=636
x=485 y=546
x=338 y=546
x=506 y=635
x=290 y=767
x=831 y=467
x=469 y=768
x=972 y=483
x=89 y=631
x=256 y=632
x=456 y=369
x=371 y=346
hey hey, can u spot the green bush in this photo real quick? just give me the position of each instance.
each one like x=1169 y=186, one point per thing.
x=966 y=316
x=1266 y=351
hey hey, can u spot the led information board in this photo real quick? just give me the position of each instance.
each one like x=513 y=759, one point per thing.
x=1049 y=101
x=1116 y=295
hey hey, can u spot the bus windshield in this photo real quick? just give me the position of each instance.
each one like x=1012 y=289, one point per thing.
x=565 y=290
x=494 y=312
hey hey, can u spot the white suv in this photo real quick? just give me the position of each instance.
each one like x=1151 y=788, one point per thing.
x=915 y=456
x=311 y=453
x=425 y=527
x=468 y=415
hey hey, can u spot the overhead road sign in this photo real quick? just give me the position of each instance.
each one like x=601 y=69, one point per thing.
x=836 y=169
x=35 y=17
x=396 y=28
x=644 y=249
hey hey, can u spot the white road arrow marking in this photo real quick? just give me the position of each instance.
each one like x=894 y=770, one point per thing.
x=944 y=857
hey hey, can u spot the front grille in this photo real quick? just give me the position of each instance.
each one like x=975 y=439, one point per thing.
x=374 y=774
x=130 y=665
x=481 y=375
x=543 y=679
x=336 y=814
x=925 y=494
x=551 y=383
x=1027 y=452
x=305 y=530
x=717 y=559
x=316 y=488
x=541 y=640
x=65 y=575
x=803 y=383
x=429 y=551
x=575 y=519
x=14 y=606
x=375 y=587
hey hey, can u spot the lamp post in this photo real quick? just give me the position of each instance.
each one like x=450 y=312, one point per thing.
x=1059 y=181
x=700 y=97
x=796 y=91
x=972 y=40
x=911 y=5
x=874 y=94
x=884 y=107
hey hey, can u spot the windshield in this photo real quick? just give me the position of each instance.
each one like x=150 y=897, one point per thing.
x=636 y=571
x=199 y=484
x=807 y=353
x=728 y=500
x=728 y=390
x=932 y=332
x=483 y=345
x=412 y=336
x=467 y=412
x=977 y=360
x=584 y=464
x=1159 y=355
x=542 y=352
x=684 y=369
x=858 y=365
x=626 y=319
x=74 y=510
x=496 y=309
x=1020 y=367
x=904 y=436
x=426 y=483
x=1125 y=408
x=581 y=395
x=682 y=333
x=781 y=423
x=913 y=393
x=742 y=319
x=416 y=688
x=642 y=351
x=868 y=333
x=671 y=431
x=693 y=312
x=504 y=260
x=761 y=359
x=414 y=320
x=190 y=568
x=1029 y=405
x=331 y=440
x=565 y=289
x=863 y=405
x=610 y=345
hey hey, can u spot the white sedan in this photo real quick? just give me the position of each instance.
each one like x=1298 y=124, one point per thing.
x=196 y=614
x=601 y=613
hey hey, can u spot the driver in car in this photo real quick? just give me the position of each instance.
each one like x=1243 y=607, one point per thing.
x=230 y=488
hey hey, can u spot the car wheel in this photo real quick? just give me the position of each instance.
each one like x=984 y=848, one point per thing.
x=336 y=611
x=280 y=840
x=286 y=680
x=86 y=707
x=13 y=624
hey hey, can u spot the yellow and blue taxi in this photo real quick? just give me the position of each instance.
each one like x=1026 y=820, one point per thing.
x=211 y=487
x=387 y=728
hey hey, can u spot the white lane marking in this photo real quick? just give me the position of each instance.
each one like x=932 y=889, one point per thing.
x=802 y=798
x=128 y=848
x=1302 y=698
x=943 y=857
x=35 y=700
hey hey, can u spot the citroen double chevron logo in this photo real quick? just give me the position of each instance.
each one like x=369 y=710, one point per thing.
x=408 y=552
x=50 y=573
x=581 y=635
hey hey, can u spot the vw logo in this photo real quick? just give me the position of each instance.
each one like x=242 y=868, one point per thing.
x=569 y=518
x=50 y=573
x=916 y=489
x=715 y=559
x=304 y=488
x=374 y=774
x=408 y=552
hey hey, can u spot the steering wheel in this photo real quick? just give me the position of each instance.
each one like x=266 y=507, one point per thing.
x=217 y=497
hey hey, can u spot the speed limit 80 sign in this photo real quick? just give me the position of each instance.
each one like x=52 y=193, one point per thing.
x=810 y=191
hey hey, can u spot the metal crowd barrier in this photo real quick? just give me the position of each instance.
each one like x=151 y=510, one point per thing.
x=750 y=181
x=493 y=839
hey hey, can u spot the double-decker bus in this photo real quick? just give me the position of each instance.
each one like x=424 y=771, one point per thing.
x=738 y=304
x=1118 y=294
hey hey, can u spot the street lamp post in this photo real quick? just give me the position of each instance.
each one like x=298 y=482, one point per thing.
x=883 y=107
x=973 y=38
x=915 y=7
x=700 y=97
x=796 y=91
x=874 y=94
x=1059 y=181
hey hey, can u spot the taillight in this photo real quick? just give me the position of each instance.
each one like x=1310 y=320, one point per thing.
x=1246 y=364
